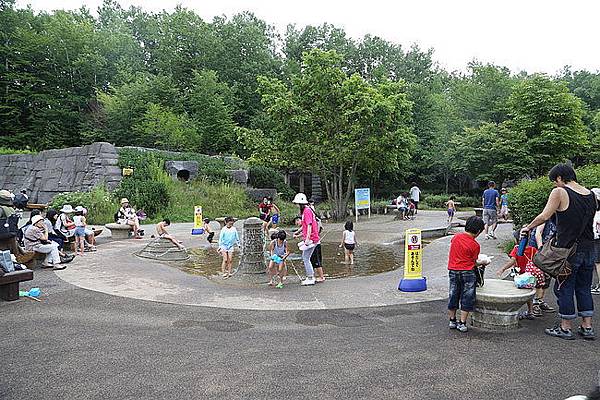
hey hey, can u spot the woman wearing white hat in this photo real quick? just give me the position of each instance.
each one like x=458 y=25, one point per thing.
x=36 y=239
x=64 y=222
x=127 y=216
x=310 y=236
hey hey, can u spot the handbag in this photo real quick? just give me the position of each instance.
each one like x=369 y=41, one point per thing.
x=8 y=224
x=553 y=260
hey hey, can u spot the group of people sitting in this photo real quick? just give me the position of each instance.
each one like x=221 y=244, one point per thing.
x=407 y=208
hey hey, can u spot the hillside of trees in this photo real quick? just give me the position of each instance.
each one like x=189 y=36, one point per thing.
x=378 y=113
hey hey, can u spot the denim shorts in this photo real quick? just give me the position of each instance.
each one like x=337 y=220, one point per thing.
x=80 y=231
x=461 y=293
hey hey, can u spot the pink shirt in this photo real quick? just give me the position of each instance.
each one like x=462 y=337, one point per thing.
x=309 y=218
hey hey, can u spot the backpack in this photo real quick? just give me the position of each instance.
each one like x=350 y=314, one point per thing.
x=8 y=224
x=20 y=201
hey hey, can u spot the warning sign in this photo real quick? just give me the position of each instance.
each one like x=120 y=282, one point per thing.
x=413 y=254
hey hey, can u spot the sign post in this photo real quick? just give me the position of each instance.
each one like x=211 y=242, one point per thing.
x=362 y=200
x=198 y=228
x=413 y=280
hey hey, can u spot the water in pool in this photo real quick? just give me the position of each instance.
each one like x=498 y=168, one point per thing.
x=368 y=259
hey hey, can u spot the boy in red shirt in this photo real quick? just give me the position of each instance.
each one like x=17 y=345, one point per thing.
x=464 y=251
x=525 y=264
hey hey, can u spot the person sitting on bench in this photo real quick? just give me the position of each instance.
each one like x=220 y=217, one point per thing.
x=36 y=239
x=127 y=216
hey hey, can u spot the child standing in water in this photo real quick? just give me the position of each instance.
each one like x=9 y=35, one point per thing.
x=228 y=238
x=348 y=242
x=451 y=209
x=208 y=230
x=279 y=252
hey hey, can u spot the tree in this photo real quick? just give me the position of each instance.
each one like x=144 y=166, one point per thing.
x=549 y=117
x=162 y=128
x=333 y=124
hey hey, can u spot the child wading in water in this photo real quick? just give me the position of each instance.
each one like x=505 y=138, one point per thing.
x=208 y=230
x=348 y=242
x=278 y=249
x=462 y=260
x=161 y=231
x=228 y=238
x=451 y=209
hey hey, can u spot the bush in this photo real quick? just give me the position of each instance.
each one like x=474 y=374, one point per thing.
x=99 y=202
x=261 y=176
x=529 y=197
x=439 y=200
x=6 y=150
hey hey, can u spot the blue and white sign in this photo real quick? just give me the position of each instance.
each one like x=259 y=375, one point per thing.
x=362 y=198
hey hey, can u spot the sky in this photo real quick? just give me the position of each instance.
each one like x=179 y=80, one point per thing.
x=530 y=35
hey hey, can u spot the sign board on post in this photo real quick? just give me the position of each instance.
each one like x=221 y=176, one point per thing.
x=362 y=200
x=413 y=280
x=198 y=228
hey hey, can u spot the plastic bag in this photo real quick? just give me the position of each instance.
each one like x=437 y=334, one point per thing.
x=524 y=281
x=6 y=262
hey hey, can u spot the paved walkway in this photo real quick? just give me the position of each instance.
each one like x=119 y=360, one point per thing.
x=114 y=270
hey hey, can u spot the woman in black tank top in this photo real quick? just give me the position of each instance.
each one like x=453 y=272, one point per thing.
x=574 y=207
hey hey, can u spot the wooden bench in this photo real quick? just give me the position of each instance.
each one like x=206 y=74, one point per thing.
x=34 y=206
x=9 y=284
x=119 y=231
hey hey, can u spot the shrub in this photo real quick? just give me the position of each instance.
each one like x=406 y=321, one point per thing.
x=261 y=176
x=528 y=198
x=439 y=200
x=99 y=202
x=6 y=150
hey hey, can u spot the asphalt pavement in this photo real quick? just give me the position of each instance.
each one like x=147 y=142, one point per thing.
x=81 y=344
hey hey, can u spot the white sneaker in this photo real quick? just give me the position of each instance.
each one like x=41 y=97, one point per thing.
x=308 y=281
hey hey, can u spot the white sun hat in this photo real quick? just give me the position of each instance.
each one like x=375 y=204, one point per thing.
x=300 y=199
x=67 y=209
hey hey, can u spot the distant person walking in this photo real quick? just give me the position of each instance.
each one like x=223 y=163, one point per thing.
x=504 y=204
x=575 y=207
x=415 y=195
x=491 y=201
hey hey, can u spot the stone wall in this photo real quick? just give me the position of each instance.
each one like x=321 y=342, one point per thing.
x=50 y=172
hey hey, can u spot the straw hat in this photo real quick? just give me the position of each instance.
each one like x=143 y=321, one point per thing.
x=36 y=218
x=67 y=209
x=124 y=200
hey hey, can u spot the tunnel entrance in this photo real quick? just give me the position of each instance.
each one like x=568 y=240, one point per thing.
x=183 y=175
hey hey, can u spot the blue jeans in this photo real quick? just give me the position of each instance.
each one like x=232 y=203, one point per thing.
x=579 y=283
x=462 y=288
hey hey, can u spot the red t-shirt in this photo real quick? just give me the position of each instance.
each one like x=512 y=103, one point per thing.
x=525 y=258
x=265 y=208
x=464 y=251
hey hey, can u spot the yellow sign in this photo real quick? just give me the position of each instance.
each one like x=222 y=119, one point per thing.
x=413 y=254
x=198 y=228
x=127 y=171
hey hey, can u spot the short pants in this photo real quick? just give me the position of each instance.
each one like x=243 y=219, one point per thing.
x=317 y=259
x=349 y=246
x=451 y=212
x=228 y=249
x=489 y=216
x=275 y=219
x=265 y=217
x=80 y=231
x=210 y=237
x=540 y=278
x=462 y=290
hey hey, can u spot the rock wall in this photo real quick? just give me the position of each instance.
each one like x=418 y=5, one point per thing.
x=50 y=172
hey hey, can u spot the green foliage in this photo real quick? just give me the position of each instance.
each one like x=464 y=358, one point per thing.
x=440 y=200
x=589 y=176
x=265 y=177
x=5 y=150
x=101 y=205
x=169 y=131
x=528 y=198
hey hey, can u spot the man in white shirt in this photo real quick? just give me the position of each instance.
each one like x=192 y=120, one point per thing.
x=415 y=195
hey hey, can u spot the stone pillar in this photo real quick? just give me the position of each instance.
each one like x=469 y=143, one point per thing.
x=253 y=257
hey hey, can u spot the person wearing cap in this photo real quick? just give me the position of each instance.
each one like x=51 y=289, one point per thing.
x=309 y=234
x=317 y=258
x=7 y=210
x=36 y=239
x=127 y=216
